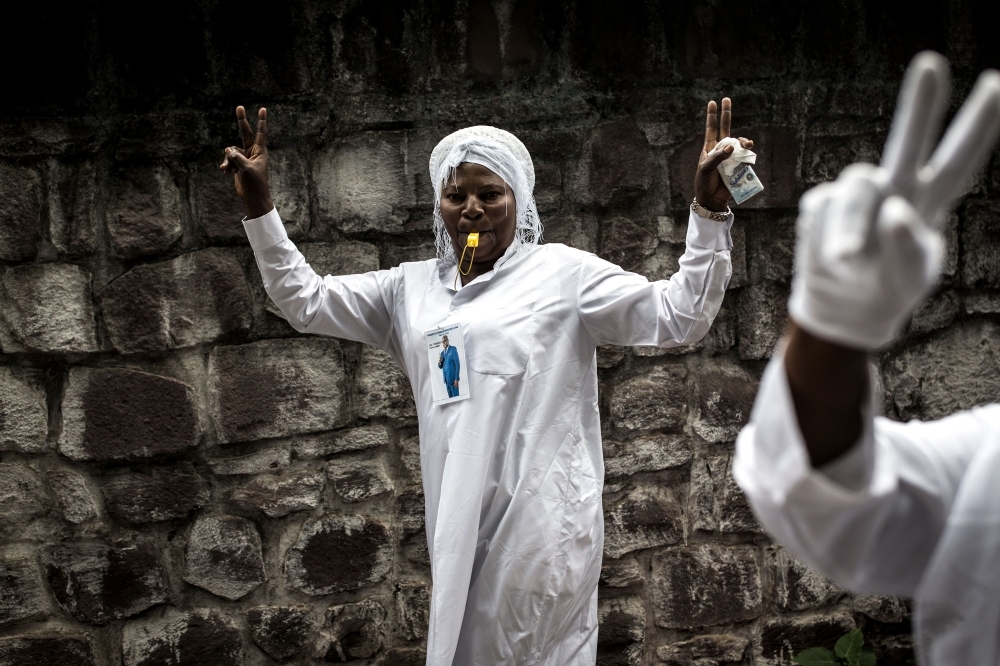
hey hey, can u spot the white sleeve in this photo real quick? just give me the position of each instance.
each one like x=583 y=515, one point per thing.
x=874 y=536
x=623 y=308
x=355 y=307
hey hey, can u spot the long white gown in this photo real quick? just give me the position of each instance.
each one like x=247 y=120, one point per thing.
x=512 y=476
x=912 y=510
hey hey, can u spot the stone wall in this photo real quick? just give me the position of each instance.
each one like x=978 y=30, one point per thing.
x=185 y=480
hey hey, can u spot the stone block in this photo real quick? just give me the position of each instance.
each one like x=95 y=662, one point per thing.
x=354 y=439
x=413 y=610
x=770 y=247
x=411 y=656
x=623 y=572
x=363 y=184
x=75 y=499
x=20 y=212
x=72 y=203
x=252 y=463
x=194 y=299
x=344 y=258
x=716 y=503
x=46 y=649
x=48 y=308
x=722 y=336
x=763 y=316
x=215 y=206
x=280 y=631
x=276 y=388
x=358 y=479
x=97 y=582
x=22 y=596
x=955 y=369
x=608 y=356
x=410 y=511
x=651 y=453
x=625 y=244
x=704 y=586
x=381 y=389
x=352 y=632
x=579 y=230
x=144 y=214
x=881 y=608
x=708 y=650
x=783 y=638
x=724 y=397
x=621 y=632
x=935 y=313
x=277 y=495
x=224 y=556
x=548 y=187
x=981 y=245
x=22 y=496
x=218 y=210
x=24 y=412
x=394 y=255
x=620 y=160
x=166 y=494
x=183 y=638
x=337 y=554
x=796 y=586
x=646 y=517
x=409 y=453
x=738 y=255
x=825 y=156
x=654 y=400
x=288 y=174
x=118 y=414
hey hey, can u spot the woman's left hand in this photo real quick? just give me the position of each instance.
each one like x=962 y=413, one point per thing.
x=709 y=189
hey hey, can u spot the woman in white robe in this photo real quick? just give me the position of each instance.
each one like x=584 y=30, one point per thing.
x=513 y=475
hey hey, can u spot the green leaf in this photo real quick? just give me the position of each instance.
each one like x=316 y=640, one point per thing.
x=816 y=657
x=849 y=646
x=867 y=658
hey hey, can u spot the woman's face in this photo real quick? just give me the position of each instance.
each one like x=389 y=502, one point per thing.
x=476 y=199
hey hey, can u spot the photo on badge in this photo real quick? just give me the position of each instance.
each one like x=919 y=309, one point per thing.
x=446 y=354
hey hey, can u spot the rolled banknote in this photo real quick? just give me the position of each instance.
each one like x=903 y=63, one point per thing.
x=737 y=173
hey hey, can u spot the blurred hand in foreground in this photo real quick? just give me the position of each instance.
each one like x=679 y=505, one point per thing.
x=869 y=245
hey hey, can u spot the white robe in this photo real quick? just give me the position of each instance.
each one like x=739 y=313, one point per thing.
x=512 y=476
x=912 y=510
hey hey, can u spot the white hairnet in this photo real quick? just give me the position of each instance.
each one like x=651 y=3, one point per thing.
x=502 y=153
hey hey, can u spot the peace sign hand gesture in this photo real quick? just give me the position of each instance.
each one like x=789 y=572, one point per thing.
x=869 y=245
x=709 y=189
x=249 y=165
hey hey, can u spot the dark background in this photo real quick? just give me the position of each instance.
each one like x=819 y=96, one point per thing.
x=140 y=361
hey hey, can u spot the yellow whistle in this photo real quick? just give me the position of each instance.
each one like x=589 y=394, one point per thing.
x=473 y=242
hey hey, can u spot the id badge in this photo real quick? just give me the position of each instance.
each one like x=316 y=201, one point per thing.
x=449 y=372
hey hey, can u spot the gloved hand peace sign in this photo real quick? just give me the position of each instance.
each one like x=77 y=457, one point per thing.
x=869 y=247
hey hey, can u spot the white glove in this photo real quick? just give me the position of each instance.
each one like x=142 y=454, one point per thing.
x=869 y=246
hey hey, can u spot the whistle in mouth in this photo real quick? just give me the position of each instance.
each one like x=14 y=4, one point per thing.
x=473 y=239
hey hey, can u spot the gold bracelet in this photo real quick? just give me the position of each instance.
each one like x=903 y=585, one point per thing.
x=710 y=214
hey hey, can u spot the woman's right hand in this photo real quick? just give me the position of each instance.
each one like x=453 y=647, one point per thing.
x=249 y=165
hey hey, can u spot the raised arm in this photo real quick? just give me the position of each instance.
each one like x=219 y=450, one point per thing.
x=355 y=307
x=623 y=308
x=864 y=499
x=869 y=249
